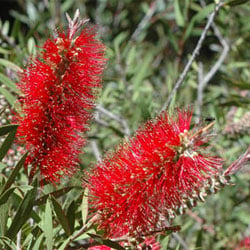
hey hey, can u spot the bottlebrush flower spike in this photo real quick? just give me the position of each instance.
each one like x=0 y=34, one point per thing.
x=138 y=188
x=102 y=247
x=244 y=244
x=59 y=89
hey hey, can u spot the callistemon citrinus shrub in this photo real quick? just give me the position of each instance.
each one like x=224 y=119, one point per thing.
x=59 y=88
x=146 y=181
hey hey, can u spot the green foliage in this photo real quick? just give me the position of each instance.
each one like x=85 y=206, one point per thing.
x=144 y=61
x=7 y=142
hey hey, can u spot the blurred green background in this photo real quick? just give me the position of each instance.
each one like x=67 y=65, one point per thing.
x=148 y=44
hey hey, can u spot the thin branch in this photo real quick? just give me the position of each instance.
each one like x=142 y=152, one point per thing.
x=203 y=80
x=95 y=150
x=8 y=39
x=200 y=90
x=221 y=59
x=117 y=118
x=99 y=120
x=117 y=18
x=223 y=55
x=193 y=56
x=144 y=21
x=107 y=125
x=84 y=229
x=201 y=222
x=181 y=241
x=238 y=164
x=176 y=235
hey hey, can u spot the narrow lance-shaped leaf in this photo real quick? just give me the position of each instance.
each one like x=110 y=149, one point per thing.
x=38 y=242
x=10 y=65
x=55 y=194
x=5 y=195
x=71 y=215
x=4 y=210
x=236 y=2
x=23 y=214
x=199 y=239
x=61 y=216
x=7 y=243
x=14 y=173
x=84 y=207
x=178 y=15
x=9 y=97
x=48 y=225
x=7 y=144
x=7 y=128
x=8 y=82
x=106 y=242
x=65 y=243
x=4 y=51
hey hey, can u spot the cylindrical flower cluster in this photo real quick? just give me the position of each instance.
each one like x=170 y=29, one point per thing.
x=59 y=89
x=139 y=187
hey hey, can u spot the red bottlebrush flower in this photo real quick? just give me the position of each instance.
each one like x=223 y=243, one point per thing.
x=150 y=243
x=244 y=244
x=148 y=179
x=102 y=247
x=59 y=89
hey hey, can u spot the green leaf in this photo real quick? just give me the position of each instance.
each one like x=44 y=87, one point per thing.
x=65 y=243
x=23 y=214
x=106 y=242
x=55 y=194
x=199 y=239
x=238 y=83
x=241 y=216
x=31 y=46
x=35 y=216
x=7 y=128
x=24 y=188
x=9 y=97
x=202 y=14
x=6 y=242
x=113 y=244
x=165 y=242
x=14 y=173
x=8 y=82
x=4 y=51
x=118 y=41
x=66 y=5
x=7 y=144
x=5 y=196
x=27 y=241
x=84 y=207
x=141 y=74
x=178 y=15
x=131 y=56
x=48 y=226
x=61 y=216
x=4 y=210
x=36 y=234
x=15 y=29
x=5 y=28
x=38 y=243
x=71 y=215
x=178 y=246
x=236 y=2
x=10 y=65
